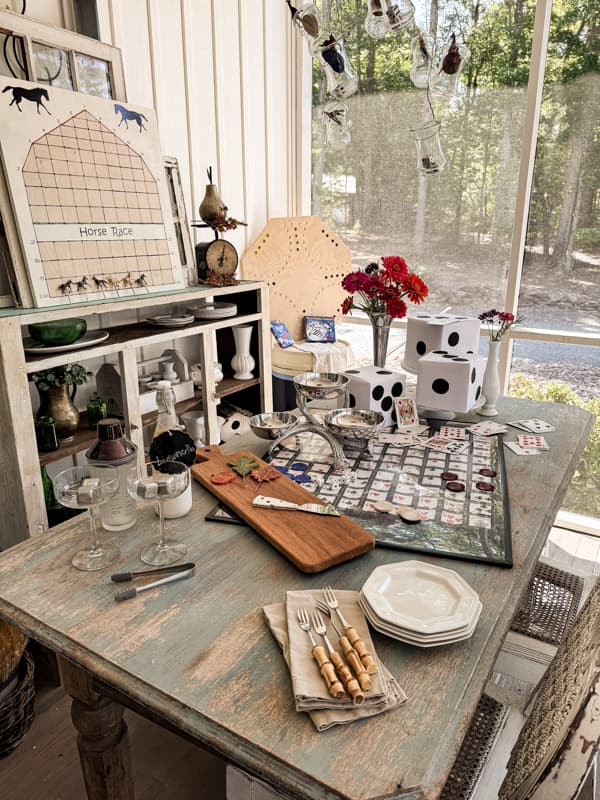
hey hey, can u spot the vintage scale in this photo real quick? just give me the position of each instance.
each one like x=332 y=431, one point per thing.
x=344 y=424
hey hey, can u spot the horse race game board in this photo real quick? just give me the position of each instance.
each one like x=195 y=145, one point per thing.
x=472 y=522
x=88 y=193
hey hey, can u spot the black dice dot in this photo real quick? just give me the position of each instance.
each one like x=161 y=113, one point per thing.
x=478 y=393
x=421 y=348
x=473 y=375
x=453 y=339
x=386 y=403
x=377 y=392
x=352 y=401
x=440 y=386
x=397 y=389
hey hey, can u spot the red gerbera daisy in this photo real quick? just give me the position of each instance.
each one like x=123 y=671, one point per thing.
x=396 y=267
x=415 y=288
x=395 y=307
x=347 y=304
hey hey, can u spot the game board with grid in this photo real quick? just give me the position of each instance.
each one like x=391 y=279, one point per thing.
x=471 y=524
x=83 y=174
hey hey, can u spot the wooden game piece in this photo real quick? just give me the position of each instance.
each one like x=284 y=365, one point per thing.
x=408 y=514
x=384 y=505
x=448 y=476
x=484 y=486
x=455 y=486
x=489 y=473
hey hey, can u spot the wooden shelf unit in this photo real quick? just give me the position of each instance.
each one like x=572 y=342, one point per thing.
x=21 y=493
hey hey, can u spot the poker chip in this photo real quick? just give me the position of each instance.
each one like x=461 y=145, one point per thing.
x=301 y=478
x=448 y=476
x=384 y=505
x=455 y=486
x=408 y=514
x=484 y=486
x=221 y=478
x=298 y=465
x=489 y=473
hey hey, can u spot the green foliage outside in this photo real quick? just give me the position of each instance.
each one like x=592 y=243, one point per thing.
x=583 y=496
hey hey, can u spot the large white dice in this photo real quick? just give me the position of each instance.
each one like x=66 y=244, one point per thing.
x=375 y=389
x=450 y=381
x=428 y=332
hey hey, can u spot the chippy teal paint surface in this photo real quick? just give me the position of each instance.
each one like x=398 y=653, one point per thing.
x=198 y=652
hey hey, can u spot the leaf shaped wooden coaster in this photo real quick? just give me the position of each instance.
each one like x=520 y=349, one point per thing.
x=243 y=466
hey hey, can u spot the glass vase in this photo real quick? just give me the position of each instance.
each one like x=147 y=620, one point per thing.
x=446 y=85
x=330 y=53
x=337 y=135
x=381 y=323
x=308 y=21
x=422 y=69
x=400 y=14
x=430 y=156
x=376 y=23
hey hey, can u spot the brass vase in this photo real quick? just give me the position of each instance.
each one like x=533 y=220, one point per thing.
x=56 y=402
x=212 y=208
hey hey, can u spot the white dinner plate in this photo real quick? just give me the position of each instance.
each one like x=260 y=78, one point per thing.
x=424 y=636
x=165 y=321
x=213 y=310
x=87 y=340
x=422 y=641
x=424 y=598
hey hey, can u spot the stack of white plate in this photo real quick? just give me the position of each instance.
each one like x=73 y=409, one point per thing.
x=213 y=310
x=420 y=604
x=171 y=320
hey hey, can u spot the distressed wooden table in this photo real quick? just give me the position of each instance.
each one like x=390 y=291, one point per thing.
x=197 y=655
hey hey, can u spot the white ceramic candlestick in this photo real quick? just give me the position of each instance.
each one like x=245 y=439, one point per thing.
x=242 y=363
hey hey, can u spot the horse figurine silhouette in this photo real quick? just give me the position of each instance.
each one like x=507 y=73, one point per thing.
x=83 y=285
x=100 y=282
x=126 y=114
x=36 y=96
x=66 y=287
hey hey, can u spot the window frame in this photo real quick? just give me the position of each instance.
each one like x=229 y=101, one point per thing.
x=535 y=88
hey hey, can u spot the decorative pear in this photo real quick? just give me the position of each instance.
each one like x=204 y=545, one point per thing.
x=212 y=208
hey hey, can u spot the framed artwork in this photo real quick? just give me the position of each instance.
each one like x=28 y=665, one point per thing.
x=89 y=195
x=319 y=329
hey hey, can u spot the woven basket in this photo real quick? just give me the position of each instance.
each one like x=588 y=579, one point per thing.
x=12 y=645
x=16 y=708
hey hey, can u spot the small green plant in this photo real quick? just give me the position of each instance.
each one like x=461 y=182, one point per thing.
x=583 y=495
x=69 y=375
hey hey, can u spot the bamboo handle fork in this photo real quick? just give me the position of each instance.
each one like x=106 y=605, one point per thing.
x=351 y=685
x=357 y=643
x=326 y=668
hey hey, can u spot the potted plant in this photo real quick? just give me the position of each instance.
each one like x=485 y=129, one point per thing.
x=56 y=399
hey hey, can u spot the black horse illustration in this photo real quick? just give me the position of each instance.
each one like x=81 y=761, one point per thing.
x=133 y=115
x=33 y=95
x=83 y=284
x=100 y=283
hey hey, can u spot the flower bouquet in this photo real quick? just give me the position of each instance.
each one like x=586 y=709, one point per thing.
x=380 y=291
x=498 y=323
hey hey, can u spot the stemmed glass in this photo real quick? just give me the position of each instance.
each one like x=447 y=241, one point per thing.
x=89 y=487
x=156 y=482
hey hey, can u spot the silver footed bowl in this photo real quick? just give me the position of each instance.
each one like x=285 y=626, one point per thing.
x=353 y=423
x=272 y=426
x=320 y=385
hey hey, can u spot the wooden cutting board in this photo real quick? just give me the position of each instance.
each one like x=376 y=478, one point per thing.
x=310 y=541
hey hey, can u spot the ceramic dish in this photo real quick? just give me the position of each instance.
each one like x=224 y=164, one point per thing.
x=168 y=321
x=406 y=638
x=392 y=630
x=420 y=597
x=58 y=332
x=87 y=340
x=213 y=310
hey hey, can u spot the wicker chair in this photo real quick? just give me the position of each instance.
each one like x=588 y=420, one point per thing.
x=566 y=693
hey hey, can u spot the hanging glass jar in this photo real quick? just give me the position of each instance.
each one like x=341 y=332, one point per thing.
x=446 y=84
x=331 y=54
x=308 y=21
x=430 y=156
x=337 y=135
x=400 y=14
x=376 y=23
x=423 y=69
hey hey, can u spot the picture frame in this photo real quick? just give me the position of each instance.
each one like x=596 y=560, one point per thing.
x=319 y=329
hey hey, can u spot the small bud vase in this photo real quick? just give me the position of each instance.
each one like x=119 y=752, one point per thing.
x=380 y=323
x=242 y=363
x=491 y=382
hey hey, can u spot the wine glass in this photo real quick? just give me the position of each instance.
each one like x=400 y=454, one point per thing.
x=89 y=487
x=156 y=482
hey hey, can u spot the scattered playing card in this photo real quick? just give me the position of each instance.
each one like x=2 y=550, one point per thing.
x=487 y=428
x=523 y=451
x=399 y=439
x=441 y=445
x=407 y=417
x=533 y=425
x=452 y=432
x=530 y=440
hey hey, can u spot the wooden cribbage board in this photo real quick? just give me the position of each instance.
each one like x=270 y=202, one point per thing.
x=472 y=525
x=89 y=196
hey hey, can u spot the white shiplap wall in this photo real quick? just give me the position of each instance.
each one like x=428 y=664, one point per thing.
x=220 y=74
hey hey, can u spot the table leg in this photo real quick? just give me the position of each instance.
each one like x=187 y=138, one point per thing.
x=102 y=740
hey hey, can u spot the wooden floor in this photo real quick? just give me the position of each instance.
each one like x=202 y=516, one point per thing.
x=46 y=766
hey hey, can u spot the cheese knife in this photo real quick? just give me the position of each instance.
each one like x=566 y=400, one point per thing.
x=260 y=501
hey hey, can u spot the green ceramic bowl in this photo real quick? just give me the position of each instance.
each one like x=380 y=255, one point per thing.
x=59 y=331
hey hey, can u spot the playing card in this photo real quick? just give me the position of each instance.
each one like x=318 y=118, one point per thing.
x=487 y=428
x=452 y=432
x=452 y=446
x=399 y=439
x=531 y=440
x=407 y=417
x=523 y=451
x=533 y=425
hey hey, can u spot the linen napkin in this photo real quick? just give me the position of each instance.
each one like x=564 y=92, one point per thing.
x=310 y=693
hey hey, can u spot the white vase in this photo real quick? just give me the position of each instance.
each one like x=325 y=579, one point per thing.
x=242 y=363
x=491 y=382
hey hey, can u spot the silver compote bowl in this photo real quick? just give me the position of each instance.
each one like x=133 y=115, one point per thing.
x=309 y=386
x=355 y=425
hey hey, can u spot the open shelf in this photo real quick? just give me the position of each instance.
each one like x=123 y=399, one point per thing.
x=231 y=386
